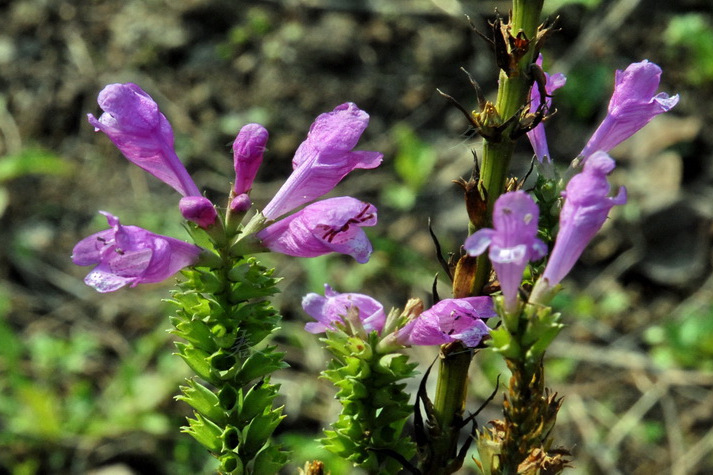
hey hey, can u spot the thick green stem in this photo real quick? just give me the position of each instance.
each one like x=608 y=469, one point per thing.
x=452 y=384
x=449 y=405
x=512 y=96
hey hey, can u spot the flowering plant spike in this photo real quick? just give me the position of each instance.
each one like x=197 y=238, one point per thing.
x=525 y=236
x=223 y=314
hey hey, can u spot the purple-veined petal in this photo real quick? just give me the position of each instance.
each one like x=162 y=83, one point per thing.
x=332 y=225
x=133 y=121
x=449 y=320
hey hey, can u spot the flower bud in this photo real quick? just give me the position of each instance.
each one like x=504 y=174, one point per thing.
x=248 y=148
x=199 y=210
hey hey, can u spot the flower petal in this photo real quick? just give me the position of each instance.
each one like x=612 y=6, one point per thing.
x=132 y=120
x=324 y=159
x=131 y=255
x=632 y=105
x=332 y=225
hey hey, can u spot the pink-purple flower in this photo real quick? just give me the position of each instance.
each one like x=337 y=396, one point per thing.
x=132 y=120
x=586 y=206
x=512 y=243
x=334 y=306
x=633 y=104
x=332 y=225
x=324 y=159
x=129 y=255
x=537 y=136
x=449 y=320
x=248 y=149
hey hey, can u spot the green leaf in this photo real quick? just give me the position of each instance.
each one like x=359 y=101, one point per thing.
x=197 y=360
x=205 y=432
x=203 y=400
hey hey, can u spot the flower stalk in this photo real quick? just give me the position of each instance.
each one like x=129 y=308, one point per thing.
x=500 y=126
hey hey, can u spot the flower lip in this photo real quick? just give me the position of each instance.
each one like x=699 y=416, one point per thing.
x=449 y=320
x=331 y=225
x=130 y=255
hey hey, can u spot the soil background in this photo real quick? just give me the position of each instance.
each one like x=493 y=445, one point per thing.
x=635 y=402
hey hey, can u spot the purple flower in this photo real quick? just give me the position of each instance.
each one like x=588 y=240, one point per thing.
x=198 y=209
x=332 y=225
x=537 y=135
x=324 y=159
x=129 y=255
x=449 y=320
x=134 y=123
x=585 y=209
x=248 y=148
x=631 y=107
x=513 y=242
x=333 y=307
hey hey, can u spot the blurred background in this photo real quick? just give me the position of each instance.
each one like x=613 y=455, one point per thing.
x=87 y=381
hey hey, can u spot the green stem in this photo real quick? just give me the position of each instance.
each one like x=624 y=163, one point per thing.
x=452 y=384
x=451 y=390
x=449 y=405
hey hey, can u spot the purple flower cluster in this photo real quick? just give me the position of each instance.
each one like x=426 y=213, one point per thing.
x=447 y=321
x=131 y=255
